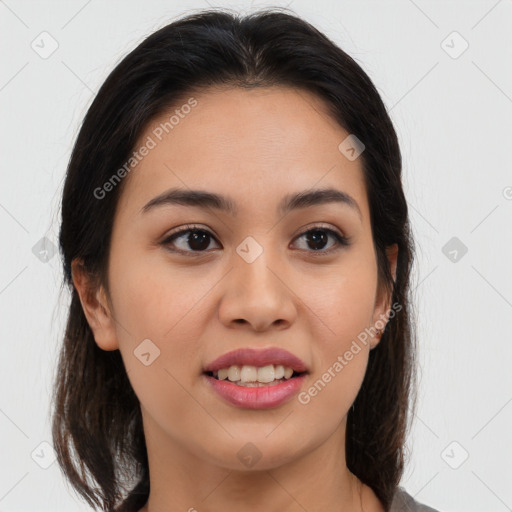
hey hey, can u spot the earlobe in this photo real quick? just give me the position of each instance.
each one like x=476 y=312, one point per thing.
x=95 y=306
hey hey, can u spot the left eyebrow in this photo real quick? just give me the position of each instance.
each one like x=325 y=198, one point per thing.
x=203 y=199
x=318 y=197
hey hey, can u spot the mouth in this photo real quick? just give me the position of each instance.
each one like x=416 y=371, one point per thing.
x=255 y=387
x=250 y=376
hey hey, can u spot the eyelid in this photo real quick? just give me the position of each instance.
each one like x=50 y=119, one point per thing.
x=322 y=225
x=187 y=227
x=182 y=230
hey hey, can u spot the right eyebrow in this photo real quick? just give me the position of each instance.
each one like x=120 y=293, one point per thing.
x=197 y=198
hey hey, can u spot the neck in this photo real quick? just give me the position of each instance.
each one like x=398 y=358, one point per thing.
x=309 y=480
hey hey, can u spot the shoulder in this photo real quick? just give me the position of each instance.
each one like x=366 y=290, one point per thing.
x=404 y=502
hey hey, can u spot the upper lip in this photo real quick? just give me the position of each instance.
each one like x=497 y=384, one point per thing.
x=257 y=357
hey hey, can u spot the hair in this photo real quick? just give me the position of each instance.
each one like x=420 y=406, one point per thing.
x=96 y=422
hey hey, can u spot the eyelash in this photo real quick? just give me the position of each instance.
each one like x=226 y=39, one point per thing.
x=341 y=241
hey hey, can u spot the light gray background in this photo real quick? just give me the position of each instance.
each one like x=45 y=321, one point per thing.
x=453 y=116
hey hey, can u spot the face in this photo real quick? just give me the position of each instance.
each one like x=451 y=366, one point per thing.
x=303 y=279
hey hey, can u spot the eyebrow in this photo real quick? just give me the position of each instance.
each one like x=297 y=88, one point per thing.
x=205 y=200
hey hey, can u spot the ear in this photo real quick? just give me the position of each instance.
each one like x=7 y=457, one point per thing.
x=95 y=306
x=383 y=300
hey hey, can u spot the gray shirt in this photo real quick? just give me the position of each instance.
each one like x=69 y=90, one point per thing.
x=404 y=502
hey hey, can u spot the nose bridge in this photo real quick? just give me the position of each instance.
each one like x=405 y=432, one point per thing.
x=254 y=291
x=253 y=262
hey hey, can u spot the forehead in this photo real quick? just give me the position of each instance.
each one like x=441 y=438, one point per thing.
x=254 y=145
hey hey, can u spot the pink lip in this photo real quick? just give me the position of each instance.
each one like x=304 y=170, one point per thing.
x=261 y=357
x=263 y=397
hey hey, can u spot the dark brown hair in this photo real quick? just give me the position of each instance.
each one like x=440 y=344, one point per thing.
x=97 y=424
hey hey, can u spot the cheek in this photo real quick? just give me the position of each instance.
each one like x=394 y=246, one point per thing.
x=342 y=299
x=341 y=352
x=343 y=304
x=155 y=299
x=155 y=302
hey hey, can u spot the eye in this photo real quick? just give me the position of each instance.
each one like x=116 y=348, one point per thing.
x=317 y=238
x=190 y=239
x=193 y=239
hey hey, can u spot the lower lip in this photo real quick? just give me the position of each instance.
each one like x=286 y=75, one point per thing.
x=263 y=397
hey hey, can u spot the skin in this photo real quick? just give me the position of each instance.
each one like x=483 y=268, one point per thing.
x=255 y=146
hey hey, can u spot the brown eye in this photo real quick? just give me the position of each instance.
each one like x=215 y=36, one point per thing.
x=317 y=239
x=189 y=240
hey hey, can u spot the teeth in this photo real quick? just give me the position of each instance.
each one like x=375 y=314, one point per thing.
x=234 y=373
x=278 y=371
x=249 y=374
x=252 y=374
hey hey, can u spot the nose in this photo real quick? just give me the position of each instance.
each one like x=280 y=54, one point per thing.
x=256 y=295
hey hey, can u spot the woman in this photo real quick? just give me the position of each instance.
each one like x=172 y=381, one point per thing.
x=236 y=240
